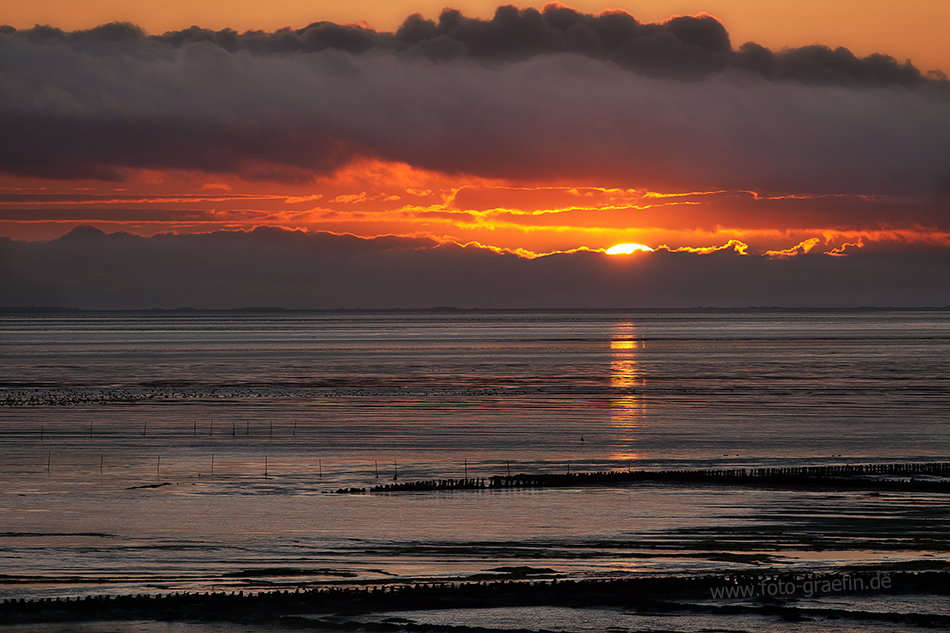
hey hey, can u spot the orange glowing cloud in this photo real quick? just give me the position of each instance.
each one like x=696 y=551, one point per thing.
x=736 y=245
x=839 y=250
x=798 y=249
x=378 y=197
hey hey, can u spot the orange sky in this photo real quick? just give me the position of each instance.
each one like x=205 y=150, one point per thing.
x=914 y=29
x=374 y=196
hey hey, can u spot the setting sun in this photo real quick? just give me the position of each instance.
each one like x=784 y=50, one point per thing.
x=626 y=249
x=358 y=148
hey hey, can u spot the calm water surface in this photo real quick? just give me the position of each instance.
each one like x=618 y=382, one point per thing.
x=250 y=418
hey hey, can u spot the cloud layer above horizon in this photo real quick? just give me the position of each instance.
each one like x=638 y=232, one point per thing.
x=527 y=96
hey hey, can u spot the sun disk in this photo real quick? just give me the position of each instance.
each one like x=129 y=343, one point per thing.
x=626 y=249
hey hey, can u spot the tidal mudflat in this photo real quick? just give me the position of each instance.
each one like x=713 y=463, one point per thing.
x=172 y=455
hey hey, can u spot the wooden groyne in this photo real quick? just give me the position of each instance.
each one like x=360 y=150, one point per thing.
x=925 y=476
x=296 y=608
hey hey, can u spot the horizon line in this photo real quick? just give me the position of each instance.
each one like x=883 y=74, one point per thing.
x=445 y=309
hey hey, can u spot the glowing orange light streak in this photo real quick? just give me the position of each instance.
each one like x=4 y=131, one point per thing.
x=839 y=251
x=740 y=247
x=51 y=200
x=656 y=194
x=798 y=249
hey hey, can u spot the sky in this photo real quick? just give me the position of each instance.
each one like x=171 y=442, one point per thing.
x=398 y=154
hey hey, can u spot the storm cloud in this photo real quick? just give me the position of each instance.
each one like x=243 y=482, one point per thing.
x=88 y=268
x=555 y=95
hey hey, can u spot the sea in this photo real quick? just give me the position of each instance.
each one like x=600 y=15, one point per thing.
x=167 y=451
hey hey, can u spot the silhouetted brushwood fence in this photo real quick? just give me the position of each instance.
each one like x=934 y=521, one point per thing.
x=846 y=476
x=669 y=594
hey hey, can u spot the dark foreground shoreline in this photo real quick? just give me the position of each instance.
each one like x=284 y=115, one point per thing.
x=768 y=593
x=322 y=608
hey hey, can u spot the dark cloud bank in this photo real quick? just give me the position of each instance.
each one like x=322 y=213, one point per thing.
x=274 y=267
x=528 y=95
x=684 y=47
